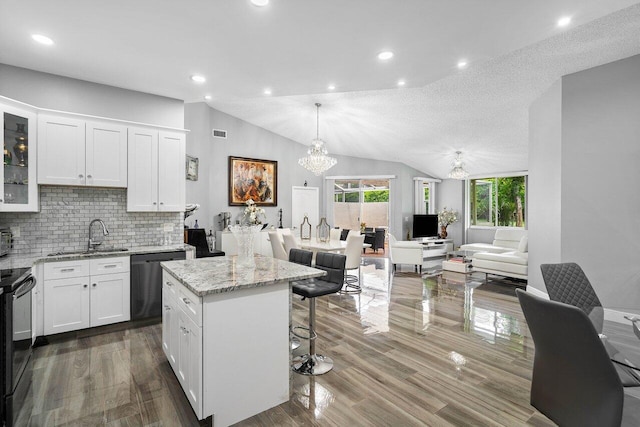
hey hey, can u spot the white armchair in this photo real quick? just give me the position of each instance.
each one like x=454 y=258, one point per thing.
x=405 y=252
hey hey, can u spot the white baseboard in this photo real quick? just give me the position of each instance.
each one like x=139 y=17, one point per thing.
x=537 y=292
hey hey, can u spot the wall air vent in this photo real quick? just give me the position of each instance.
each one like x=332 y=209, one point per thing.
x=219 y=133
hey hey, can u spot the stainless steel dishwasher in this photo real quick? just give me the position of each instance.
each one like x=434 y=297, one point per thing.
x=146 y=283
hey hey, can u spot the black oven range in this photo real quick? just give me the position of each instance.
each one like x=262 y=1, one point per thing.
x=16 y=336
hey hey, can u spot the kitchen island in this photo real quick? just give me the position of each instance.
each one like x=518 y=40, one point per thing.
x=225 y=332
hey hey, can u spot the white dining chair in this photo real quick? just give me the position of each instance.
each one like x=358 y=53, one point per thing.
x=334 y=233
x=276 y=246
x=289 y=243
x=353 y=251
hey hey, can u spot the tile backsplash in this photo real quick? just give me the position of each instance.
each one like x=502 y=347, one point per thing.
x=65 y=213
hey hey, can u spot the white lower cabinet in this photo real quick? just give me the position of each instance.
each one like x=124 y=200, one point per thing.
x=66 y=305
x=182 y=338
x=75 y=299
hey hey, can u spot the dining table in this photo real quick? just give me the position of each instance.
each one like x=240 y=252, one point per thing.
x=330 y=246
x=622 y=342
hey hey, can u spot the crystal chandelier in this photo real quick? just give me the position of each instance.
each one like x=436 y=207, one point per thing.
x=458 y=171
x=317 y=160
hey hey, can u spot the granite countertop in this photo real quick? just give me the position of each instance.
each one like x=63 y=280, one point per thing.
x=22 y=260
x=206 y=276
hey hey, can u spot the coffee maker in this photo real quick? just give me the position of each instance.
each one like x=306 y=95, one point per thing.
x=225 y=220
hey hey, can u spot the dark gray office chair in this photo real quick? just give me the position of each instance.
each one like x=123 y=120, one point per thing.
x=574 y=383
x=567 y=283
x=333 y=264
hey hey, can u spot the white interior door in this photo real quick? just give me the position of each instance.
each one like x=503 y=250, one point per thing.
x=305 y=200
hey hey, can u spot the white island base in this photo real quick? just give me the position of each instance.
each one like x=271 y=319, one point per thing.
x=229 y=349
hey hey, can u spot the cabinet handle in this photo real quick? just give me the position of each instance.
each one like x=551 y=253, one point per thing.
x=95 y=284
x=168 y=283
x=186 y=301
x=67 y=270
x=154 y=203
x=85 y=286
x=166 y=307
x=1 y=200
x=89 y=176
x=110 y=266
x=186 y=331
x=80 y=176
x=162 y=203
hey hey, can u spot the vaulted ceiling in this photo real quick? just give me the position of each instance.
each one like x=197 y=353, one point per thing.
x=297 y=48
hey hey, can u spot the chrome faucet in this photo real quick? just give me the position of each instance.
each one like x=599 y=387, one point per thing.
x=92 y=243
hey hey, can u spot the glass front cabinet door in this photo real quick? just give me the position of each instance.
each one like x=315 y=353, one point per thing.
x=19 y=185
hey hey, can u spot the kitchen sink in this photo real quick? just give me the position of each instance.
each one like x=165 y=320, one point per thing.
x=87 y=252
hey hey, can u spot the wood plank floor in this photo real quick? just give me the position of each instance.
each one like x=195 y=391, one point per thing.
x=408 y=351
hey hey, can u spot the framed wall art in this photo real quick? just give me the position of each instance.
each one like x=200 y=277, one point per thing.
x=253 y=179
x=192 y=168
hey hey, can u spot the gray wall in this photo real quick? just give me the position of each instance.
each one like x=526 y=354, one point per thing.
x=544 y=185
x=596 y=202
x=247 y=140
x=77 y=96
x=450 y=194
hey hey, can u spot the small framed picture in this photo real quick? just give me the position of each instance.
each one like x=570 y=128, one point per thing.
x=192 y=168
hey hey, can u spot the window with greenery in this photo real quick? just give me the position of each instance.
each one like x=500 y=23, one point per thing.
x=498 y=202
x=426 y=197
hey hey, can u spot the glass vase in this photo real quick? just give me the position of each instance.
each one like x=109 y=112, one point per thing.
x=245 y=235
x=323 y=230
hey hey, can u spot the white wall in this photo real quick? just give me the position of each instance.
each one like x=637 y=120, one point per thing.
x=584 y=157
x=544 y=185
x=450 y=194
x=600 y=176
x=77 y=96
x=247 y=140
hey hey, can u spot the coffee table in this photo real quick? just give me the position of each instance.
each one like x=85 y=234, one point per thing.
x=459 y=267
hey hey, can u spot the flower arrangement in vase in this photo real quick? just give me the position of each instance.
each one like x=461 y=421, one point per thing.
x=446 y=217
x=253 y=215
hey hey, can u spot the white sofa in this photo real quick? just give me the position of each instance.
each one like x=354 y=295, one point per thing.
x=505 y=257
x=405 y=252
x=505 y=240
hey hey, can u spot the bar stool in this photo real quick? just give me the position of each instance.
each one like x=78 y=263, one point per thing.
x=299 y=256
x=333 y=264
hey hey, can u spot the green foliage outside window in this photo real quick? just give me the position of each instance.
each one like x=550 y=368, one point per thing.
x=376 y=196
x=498 y=201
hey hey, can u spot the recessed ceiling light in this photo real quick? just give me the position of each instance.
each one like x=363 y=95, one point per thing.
x=260 y=3
x=267 y=91
x=462 y=64
x=385 y=55
x=42 y=39
x=401 y=83
x=331 y=87
x=198 y=79
x=564 y=21
x=207 y=97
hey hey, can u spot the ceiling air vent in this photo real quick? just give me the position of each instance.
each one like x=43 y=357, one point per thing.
x=219 y=133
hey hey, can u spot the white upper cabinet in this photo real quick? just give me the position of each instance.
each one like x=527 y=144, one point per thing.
x=77 y=152
x=156 y=171
x=61 y=150
x=171 y=171
x=18 y=187
x=106 y=155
